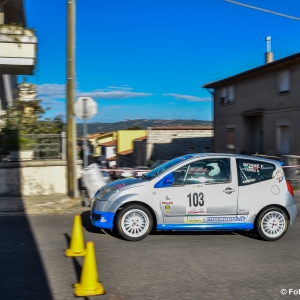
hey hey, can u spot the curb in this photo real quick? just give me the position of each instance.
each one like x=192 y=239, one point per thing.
x=27 y=206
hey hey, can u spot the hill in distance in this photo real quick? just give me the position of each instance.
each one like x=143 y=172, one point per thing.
x=143 y=123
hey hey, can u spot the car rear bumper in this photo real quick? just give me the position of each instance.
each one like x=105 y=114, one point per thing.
x=292 y=210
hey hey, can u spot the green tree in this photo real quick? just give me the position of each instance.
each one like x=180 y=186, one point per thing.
x=134 y=128
x=22 y=119
x=25 y=117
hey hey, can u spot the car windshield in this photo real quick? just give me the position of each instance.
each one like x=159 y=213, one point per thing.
x=162 y=168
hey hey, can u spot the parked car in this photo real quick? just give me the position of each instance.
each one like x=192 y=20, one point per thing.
x=140 y=170
x=200 y=192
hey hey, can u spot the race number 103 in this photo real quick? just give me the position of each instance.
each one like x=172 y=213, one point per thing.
x=196 y=199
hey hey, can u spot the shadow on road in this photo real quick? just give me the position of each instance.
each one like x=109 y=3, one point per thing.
x=76 y=264
x=193 y=233
x=250 y=234
x=21 y=268
x=86 y=223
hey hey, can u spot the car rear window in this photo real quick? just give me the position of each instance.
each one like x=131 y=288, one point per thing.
x=252 y=171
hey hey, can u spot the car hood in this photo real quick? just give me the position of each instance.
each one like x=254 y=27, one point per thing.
x=123 y=184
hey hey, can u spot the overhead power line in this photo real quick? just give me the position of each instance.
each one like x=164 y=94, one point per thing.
x=264 y=10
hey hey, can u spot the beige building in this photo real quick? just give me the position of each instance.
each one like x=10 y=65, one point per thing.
x=259 y=110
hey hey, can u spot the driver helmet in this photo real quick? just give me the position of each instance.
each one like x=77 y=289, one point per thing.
x=215 y=169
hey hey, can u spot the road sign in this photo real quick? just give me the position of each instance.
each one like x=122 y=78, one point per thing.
x=85 y=108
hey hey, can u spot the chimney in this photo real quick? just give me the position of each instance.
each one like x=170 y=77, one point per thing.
x=269 y=53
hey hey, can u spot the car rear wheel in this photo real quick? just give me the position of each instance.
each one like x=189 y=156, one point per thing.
x=272 y=224
x=134 y=222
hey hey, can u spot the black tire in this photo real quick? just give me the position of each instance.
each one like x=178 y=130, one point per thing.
x=135 y=222
x=272 y=218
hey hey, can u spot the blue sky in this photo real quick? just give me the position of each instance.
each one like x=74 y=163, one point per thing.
x=149 y=58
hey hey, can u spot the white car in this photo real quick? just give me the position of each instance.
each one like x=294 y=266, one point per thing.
x=200 y=192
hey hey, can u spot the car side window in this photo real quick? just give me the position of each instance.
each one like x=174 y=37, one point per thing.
x=203 y=171
x=252 y=171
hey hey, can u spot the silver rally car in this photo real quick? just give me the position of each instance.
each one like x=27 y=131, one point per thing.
x=199 y=192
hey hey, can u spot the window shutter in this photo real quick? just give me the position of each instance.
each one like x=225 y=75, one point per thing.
x=231 y=94
x=284 y=82
x=223 y=97
x=230 y=138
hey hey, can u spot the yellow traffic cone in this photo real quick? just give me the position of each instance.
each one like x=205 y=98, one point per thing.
x=89 y=285
x=77 y=243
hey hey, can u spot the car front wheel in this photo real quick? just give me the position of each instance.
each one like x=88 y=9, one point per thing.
x=272 y=224
x=134 y=222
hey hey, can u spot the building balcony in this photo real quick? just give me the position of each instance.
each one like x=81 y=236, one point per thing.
x=17 y=50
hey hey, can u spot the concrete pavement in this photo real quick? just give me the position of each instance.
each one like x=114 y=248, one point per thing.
x=164 y=266
x=42 y=205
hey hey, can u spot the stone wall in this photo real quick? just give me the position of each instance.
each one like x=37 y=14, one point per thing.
x=165 y=144
x=34 y=178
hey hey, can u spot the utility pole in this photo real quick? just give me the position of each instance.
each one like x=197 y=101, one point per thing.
x=85 y=162
x=71 y=133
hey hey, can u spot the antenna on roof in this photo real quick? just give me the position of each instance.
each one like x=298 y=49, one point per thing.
x=268 y=43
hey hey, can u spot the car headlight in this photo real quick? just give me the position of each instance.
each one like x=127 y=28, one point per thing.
x=105 y=195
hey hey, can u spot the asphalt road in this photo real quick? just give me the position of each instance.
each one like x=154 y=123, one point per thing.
x=172 y=265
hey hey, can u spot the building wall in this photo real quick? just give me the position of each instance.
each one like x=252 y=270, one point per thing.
x=139 y=153
x=126 y=137
x=259 y=92
x=34 y=178
x=101 y=140
x=166 y=144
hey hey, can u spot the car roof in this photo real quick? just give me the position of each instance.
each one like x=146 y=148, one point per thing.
x=241 y=156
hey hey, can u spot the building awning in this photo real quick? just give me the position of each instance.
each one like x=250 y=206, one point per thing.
x=99 y=134
x=125 y=152
x=254 y=112
x=181 y=128
x=143 y=138
x=112 y=158
x=109 y=144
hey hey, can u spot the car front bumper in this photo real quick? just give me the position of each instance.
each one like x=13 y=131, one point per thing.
x=102 y=219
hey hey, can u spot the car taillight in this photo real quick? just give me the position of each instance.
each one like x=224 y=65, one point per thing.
x=289 y=187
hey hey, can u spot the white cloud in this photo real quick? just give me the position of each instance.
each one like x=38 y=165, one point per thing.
x=120 y=94
x=51 y=90
x=58 y=91
x=187 y=97
x=114 y=107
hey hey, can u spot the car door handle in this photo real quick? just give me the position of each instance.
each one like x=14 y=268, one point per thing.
x=228 y=191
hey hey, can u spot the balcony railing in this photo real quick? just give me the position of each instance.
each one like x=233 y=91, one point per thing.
x=17 y=50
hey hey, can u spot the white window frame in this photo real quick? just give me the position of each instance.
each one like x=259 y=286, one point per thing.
x=227 y=95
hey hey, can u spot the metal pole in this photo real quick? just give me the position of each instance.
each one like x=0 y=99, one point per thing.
x=63 y=145
x=84 y=133
x=71 y=153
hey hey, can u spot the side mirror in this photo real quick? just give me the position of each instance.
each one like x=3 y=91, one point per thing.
x=165 y=181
